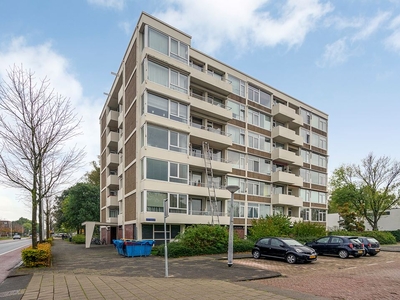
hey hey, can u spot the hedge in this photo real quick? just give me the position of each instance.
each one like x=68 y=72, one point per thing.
x=37 y=257
x=384 y=237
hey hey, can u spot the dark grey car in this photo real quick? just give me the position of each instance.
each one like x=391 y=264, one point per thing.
x=371 y=245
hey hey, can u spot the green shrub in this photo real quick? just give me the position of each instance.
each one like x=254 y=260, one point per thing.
x=78 y=239
x=307 y=232
x=396 y=234
x=37 y=257
x=277 y=225
x=240 y=245
x=384 y=237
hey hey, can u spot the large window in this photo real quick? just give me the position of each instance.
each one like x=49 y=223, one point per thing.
x=178 y=203
x=259 y=165
x=318 y=215
x=166 y=108
x=237 y=134
x=305 y=134
x=238 y=86
x=167 y=45
x=318 y=141
x=318 y=160
x=318 y=122
x=258 y=96
x=166 y=139
x=155 y=201
x=258 y=188
x=168 y=77
x=318 y=178
x=259 y=142
x=305 y=214
x=238 y=110
x=237 y=159
x=166 y=171
x=258 y=119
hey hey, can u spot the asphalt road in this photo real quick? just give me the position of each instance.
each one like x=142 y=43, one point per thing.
x=10 y=255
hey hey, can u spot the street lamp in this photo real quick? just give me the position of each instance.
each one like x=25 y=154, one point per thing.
x=232 y=189
x=166 y=214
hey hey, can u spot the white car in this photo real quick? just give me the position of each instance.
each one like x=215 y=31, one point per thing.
x=16 y=237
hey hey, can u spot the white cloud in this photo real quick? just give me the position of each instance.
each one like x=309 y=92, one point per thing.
x=392 y=42
x=242 y=25
x=335 y=54
x=44 y=61
x=371 y=26
x=115 y=4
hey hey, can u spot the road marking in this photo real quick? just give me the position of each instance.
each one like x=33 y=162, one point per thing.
x=372 y=264
x=14 y=250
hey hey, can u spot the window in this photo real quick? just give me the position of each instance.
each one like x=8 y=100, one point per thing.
x=166 y=108
x=158 y=41
x=238 y=110
x=237 y=134
x=166 y=171
x=305 y=195
x=238 y=209
x=305 y=174
x=305 y=214
x=318 y=178
x=305 y=134
x=318 y=141
x=259 y=142
x=166 y=77
x=258 y=188
x=178 y=203
x=318 y=215
x=258 y=96
x=253 y=210
x=165 y=139
x=167 y=45
x=236 y=159
x=318 y=122
x=238 y=86
x=113 y=212
x=318 y=160
x=179 y=50
x=240 y=182
x=306 y=116
x=278 y=210
x=305 y=155
x=258 y=119
x=155 y=201
x=259 y=165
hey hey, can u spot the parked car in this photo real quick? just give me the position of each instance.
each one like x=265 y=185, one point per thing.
x=285 y=248
x=371 y=245
x=338 y=245
x=16 y=237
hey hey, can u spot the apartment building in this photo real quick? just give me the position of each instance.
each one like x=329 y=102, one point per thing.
x=179 y=126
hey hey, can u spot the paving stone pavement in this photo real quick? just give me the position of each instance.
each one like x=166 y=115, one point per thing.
x=100 y=273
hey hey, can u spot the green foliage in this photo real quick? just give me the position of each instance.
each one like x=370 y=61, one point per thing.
x=277 y=225
x=241 y=245
x=306 y=231
x=396 y=234
x=384 y=237
x=93 y=177
x=81 y=204
x=37 y=257
x=78 y=239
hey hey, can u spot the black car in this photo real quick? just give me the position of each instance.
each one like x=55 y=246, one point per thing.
x=338 y=245
x=289 y=249
x=371 y=245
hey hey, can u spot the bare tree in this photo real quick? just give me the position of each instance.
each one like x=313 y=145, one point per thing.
x=35 y=124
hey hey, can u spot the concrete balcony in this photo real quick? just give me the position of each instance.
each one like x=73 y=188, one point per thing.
x=285 y=114
x=284 y=199
x=112 y=220
x=287 y=157
x=120 y=169
x=112 y=159
x=120 y=219
x=158 y=217
x=112 y=139
x=217 y=165
x=216 y=139
x=112 y=119
x=215 y=84
x=285 y=135
x=112 y=180
x=286 y=178
x=120 y=195
x=111 y=201
x=209 y=107
x=120 y=119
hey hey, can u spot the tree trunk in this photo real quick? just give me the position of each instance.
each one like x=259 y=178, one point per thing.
x=34 y=218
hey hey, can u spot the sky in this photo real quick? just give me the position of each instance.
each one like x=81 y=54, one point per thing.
x=341 y=57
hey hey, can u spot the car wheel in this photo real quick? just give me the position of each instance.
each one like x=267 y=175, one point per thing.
x=256 y=254
x=343 y=254
x=291 y=258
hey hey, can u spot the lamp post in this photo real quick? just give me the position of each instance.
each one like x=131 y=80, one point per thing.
x=166 y=214
x=232 y=189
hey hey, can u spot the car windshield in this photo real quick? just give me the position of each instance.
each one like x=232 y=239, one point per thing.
x=293 y=243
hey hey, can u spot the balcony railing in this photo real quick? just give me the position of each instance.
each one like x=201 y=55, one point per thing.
x=210 y=100
x=210 y=129
x=214 y=157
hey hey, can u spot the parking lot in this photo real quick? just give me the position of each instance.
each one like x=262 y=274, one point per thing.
x=367 y=277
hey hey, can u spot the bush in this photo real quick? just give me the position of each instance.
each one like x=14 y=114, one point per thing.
x=384 y=237
x=396 y=234
x=78 y=239
x=37 y=257
x=277 y=225
x=306 y=231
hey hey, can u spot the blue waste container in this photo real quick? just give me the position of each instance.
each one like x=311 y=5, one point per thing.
x=139 y=248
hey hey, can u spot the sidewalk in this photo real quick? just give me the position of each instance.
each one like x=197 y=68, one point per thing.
x=100 y=273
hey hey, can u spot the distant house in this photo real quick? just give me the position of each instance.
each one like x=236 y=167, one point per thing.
x=390 y=220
